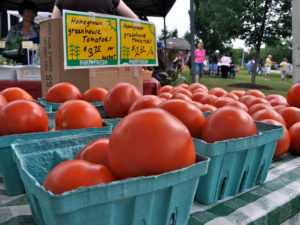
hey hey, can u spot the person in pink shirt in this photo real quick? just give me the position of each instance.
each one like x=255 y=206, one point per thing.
x=200 y=55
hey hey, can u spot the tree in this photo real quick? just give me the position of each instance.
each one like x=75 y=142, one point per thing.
x=265 y=21
x=256 y=22
x=169 y=34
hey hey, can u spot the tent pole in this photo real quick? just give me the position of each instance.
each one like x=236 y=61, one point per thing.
x=165 y=43
x=192 y=21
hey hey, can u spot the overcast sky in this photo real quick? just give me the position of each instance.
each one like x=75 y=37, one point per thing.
x=178 y=17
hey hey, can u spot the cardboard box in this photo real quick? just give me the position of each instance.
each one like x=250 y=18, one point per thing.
x=146 y=74
x=52 y=65
x=28 y=72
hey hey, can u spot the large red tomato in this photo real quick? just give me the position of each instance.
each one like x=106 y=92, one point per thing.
x=77 y=114
x=3 y=101
x=217 y=91
x=73 y=174
x=268 y=114
x=208 y=99
x=275 y=96
x=221 y=101
x=295 y=137
x=165 y=95
x=291 y=115
x=119 y=99
x=181 y=96
x=226 y=123
x=239 y=93
x=293 y=95
x=148 y=142
x=256 y=93
x=62 y=92
x=283 y=143
x=22 y=116
x=95 y=152
x=94 y=94
x=165 y=88
x=189 y=114
x=252 y=101
x=145 y=101
x=254 y=108
x=194 y=86
x=15 y=93
x=237 y=104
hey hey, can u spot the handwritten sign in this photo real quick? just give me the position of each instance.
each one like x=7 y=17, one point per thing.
x=90 y=41
x=138 y=43
x=94 y=40
x=2 y=44
x=27 y=44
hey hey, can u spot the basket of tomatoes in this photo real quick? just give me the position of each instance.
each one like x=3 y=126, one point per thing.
x=240 y=149
x=140 y=176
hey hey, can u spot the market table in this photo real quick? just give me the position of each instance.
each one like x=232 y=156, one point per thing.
x=277 y=201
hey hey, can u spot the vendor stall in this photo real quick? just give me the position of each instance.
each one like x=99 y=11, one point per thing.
x=274 y=202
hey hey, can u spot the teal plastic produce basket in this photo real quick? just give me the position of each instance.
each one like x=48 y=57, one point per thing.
x=152 y=200
x=236 y=164
x=55 y=106
x=8 y=167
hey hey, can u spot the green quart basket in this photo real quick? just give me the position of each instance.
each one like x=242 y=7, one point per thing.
x=236 y=164
x=54 y=106
x=8 y=167
x=152 y=200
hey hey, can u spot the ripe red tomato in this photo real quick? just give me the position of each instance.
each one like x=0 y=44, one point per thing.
x=3 y=101
x=15 y=93
x=252 y=101
x=237 y=104
x=275 y=96
x=291 y=115
x=283 y=143
x=208 y=99
x=198 y=104
x=239 y=93
x=22 y=116
x=183 y=85
x=189 y=114
x=226 y=123
x=95 y=152
x=73 y=174
x=150 y=141
x=145 y=101
x=277 y=101
x=277 y=108
x=119 y=99
x=181 y=90
x=165 y=88
x=208 y=107
x=181 y=96
x=198 y=96
x=293 y=95
x=254 y=108
x=245 y=98
x=217 y=91
x=94 y=94
x=268 y=114
x=62 y=92
x=165 y=95
x=256 y=93
x=77 y=114
x=295 y=137
x=221 y=101
x=231 y=95
x=194 y=86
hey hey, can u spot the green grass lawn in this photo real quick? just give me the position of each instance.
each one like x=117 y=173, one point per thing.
x=278 y=86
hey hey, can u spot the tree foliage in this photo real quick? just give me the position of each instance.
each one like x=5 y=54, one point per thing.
x=256 y=22
x=169 y=34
